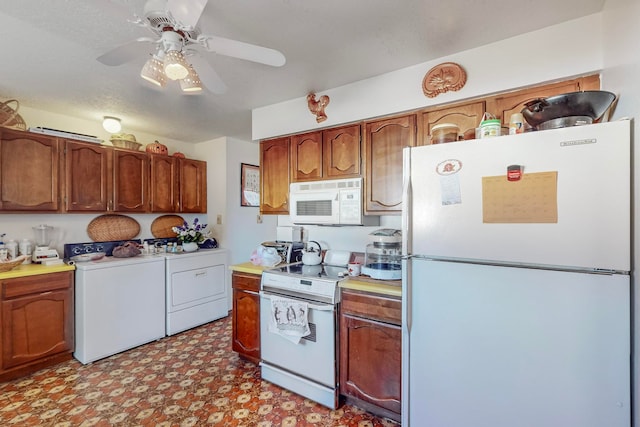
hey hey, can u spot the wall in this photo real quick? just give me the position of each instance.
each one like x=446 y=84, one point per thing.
x=622 y=68
x=239 y=232
x=554 y=53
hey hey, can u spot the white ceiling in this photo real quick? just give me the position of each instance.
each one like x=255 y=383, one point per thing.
x=49 y=51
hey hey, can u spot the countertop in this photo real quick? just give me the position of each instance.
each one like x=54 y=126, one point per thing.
x=34 y=269
x=361 y=283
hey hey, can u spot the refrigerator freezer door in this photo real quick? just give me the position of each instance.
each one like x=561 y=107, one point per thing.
x=593 y=198
x=501 y=347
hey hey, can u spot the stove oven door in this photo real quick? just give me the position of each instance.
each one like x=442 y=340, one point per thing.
x=314 y=357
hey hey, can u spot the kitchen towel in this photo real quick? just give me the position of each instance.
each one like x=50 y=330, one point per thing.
x=289 y=319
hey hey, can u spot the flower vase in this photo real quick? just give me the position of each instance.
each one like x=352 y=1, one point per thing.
x=189 y=246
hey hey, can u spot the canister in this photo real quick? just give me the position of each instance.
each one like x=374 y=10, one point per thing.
x=444 y=132
x=490 y=128
x=516 y=124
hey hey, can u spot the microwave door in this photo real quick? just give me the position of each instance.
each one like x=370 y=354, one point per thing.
x=315 y=208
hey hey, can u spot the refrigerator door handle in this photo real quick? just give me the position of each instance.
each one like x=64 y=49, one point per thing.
x=406 y=201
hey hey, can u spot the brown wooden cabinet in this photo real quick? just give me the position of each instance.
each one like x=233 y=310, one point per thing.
x=371 y=352
x=384 y=141
x=36 y=322
x=130 y=181
x=163 y=184
x=274 y=176
x=102 y=179
x=466 y=116
x=246 y=315
x=192 y=180
x=330 y=154
x=105 y=179
x=29 y=166
x=86 y=177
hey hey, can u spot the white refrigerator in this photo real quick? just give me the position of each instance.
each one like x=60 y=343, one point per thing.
x=516 y=286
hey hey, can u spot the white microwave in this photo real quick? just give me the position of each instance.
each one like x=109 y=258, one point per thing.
x=331 y=202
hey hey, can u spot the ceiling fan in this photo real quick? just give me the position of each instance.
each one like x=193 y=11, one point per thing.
x=174 y=23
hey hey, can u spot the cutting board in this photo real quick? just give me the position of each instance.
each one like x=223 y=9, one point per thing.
x=105 y=228
x=161 y=227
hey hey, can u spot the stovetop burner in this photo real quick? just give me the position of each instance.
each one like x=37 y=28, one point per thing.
x=321 y=271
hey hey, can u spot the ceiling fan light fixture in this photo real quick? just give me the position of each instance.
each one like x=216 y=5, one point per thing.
x=175 y=66
x=153 y=71
x=111 y=124
x=191 y=83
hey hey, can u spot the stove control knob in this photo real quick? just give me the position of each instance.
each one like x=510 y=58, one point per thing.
x=99 y=248
x=88 y=249
x=77 y=250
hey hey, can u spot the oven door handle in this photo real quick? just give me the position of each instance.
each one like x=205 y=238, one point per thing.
x=323 y=307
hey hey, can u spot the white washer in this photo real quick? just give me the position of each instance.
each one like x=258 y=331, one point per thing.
x=196 y=289
x=119 y=303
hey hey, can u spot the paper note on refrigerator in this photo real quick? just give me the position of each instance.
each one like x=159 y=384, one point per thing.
x=532 y=199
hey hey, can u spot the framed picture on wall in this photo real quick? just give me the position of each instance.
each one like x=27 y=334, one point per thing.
x=249 y=185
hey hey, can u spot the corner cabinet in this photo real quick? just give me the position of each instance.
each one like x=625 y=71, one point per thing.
x=371 y=342
x=246 y=315
x=384 y=141
x=29 y=166
x=37 y=322
x=274 y=176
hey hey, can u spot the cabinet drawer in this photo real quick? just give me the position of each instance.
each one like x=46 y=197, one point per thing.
x=371 y=306
x=246 y=281
x=13 y=288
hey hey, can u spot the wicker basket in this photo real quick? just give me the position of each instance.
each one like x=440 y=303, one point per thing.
x=9 y=117
x=123 y=143
x=109 y=227
x=10 y=265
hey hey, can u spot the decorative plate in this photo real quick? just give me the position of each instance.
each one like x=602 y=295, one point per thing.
x=443 y=78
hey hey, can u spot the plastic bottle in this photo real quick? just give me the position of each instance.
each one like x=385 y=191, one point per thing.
x=516 y=124
x=12 y=249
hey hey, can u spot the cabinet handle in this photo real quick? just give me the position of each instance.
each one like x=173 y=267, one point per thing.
x=201 y=273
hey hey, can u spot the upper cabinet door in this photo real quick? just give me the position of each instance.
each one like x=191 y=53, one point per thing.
x=29 y=167
x=341 y=149
x=274 y=176
x=164 y=183
x=193 y=185
x=86 y=179
x=306 y=157
x=466 y=116
x=384 y=142
x=130 y=181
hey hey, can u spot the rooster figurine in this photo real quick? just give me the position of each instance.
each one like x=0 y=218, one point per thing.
x=317 y=107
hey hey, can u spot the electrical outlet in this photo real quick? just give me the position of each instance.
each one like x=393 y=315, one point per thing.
x=259 y=219
x=219 y=220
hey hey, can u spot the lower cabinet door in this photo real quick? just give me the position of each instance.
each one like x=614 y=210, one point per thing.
x=370 y=365
x=246 y=324
x=36 y=326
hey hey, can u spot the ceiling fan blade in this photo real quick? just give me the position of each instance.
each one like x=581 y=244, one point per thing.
x=186 y=12
x=125 y=53
x=241 y=50
x=207 y=74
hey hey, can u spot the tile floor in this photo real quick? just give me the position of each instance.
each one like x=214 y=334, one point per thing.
x=189 y=379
